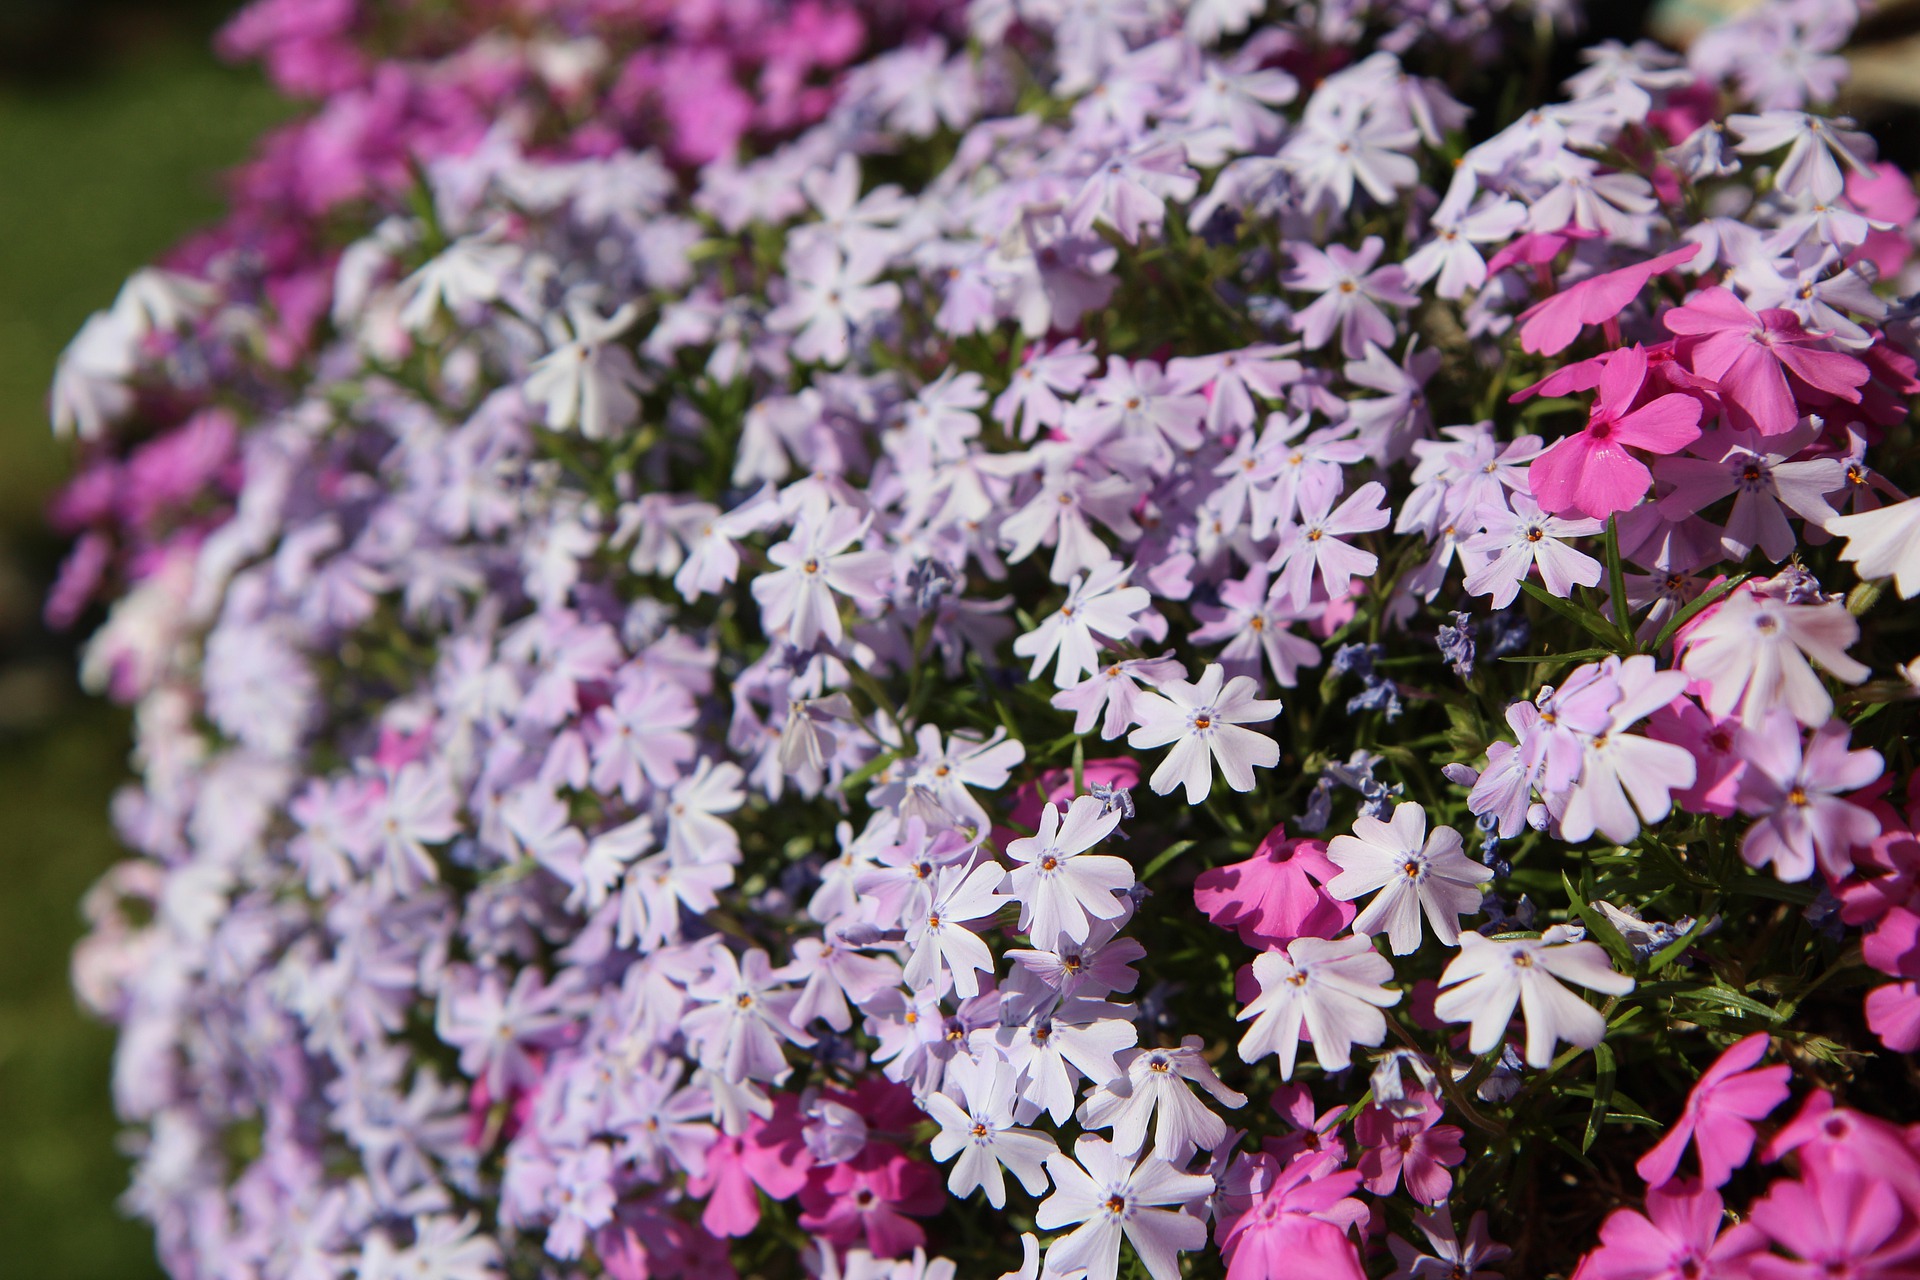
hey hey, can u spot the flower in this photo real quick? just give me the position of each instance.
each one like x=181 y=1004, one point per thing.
x=1524 y=538
x=1680 y=1237
x=1590 y=473
x=1333 y=989
x=937 y=938
x=1104 y=1196
x=975 y=1113
x=1275 y=896
x=1751 y=356
x=1548 y=328
x=1795 y=793
x=1883 y=543
x=1408 y=1142
x=815 y=565
x=1061 y=887
x=1203 y=719
x=1314 y=545
x=1098 y=604
x=1452 y=1258
x=1352 y=291
x=1720 y=1114
x=1490 y=976
x=1415 y=873
x=1750 y=655
x=1153 y=1093
x=1273 y=1215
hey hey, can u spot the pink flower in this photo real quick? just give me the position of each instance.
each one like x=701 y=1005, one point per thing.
x=1290 y=1219
x=1842 y=1220
x=1719 y=1115
x=769 y=1156
x=867 y=1199
x=1893 y=1014
x=1751 y=355
x=1591 y=473
x=1548 y=328
x=1413 y=1145
x=1678 y=1238
x=1276 y=895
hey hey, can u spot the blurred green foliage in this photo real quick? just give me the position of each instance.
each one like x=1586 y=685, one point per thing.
x=115 y=121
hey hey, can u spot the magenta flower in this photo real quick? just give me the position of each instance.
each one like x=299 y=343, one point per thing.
x=1414 y=1146
x=1275 y=896
x=1678 y=1238
x=1291 y=1219
x=1796 y=794
x=1591 y=473
x=1720 y=1114
x=1548 y=328
x=1843 y=1220
x=868 y=1199
x=1751 y=355
x=769 y=1156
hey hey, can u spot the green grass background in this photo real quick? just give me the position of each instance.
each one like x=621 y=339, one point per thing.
x=115 y=121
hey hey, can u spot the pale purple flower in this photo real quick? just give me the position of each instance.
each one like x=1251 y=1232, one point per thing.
x=816 y=564
x=1524 y=538
x=740 y=1016
x=1129 y=190
x=1751 y=654
x=1796 y=796
x=1152 y=1096
x=415 y=808
x=1112 y=690
x=1313 y=548
x=974 y=1110
x=937 y=938
x=830 y=292
x=1816 y=148
x=1352 y=291
x=1100 y=605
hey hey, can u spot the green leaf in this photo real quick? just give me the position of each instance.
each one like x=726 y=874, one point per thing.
x=1694 y=606
x=1617 y=585
x=1576 y=655
x=1586 y=619
x=1165 y=856
x=1728 y=998
x=1604 y=1072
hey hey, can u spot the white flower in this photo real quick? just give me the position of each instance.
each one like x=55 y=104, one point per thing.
x=975 y=1113
x=589 y=382
x=1060 y=885
x=1104 y=1197
x=1202 y=718
x=1884 y=543
x=829 y=293
x=1491 y=975
x=1154 y=1091
x=1334 y=988
x=1617 y=765
x=1098 y=604
x=1414 y=871
x=1079 y=1039
x=443 y=1248
x=938 y=936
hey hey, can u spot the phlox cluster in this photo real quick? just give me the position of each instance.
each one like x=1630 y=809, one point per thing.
x=1040 y=637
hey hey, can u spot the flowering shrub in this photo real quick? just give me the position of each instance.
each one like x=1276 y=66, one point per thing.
x=1049 y=636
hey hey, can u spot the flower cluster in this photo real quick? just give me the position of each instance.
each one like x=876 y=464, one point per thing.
x=707 y=587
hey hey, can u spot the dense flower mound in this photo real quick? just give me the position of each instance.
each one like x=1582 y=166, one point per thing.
x=1046 y=637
